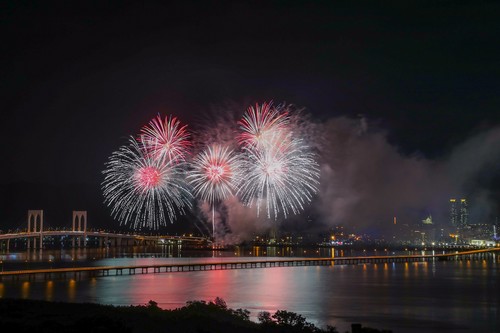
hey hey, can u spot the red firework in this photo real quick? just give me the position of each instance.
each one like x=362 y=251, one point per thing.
x=166 y=139
x=262 y=125
x=148 y=177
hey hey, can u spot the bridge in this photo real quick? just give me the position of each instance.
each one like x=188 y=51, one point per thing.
x=79 y=234
x=94 y=271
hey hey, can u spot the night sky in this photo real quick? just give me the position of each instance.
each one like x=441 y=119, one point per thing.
x=77 y=78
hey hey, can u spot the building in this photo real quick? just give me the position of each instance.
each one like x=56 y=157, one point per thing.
x=459 y=215
x=464 y=214
x=453 y=213
x=483 y=242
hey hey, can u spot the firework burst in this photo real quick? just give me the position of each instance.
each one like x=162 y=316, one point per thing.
x=280 y=171
x=261 y=124
x=144 y=191
x=214 y=174
x=166 y=139
x=282 y=178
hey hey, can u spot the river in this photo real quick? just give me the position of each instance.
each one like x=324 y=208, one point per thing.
x=441 y=296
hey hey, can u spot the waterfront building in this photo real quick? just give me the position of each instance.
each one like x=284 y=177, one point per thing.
x=453 y=213
x=464 y=214
x=459 y=214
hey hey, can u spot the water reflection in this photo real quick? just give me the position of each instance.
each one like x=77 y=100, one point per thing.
x=34 y=259
x=451 y=294
x=49 y=291
x=72 y=290
x=429 y=295
x=25 y=290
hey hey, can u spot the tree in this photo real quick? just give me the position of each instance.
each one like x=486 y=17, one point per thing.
x=331 y=329
x=264 y=317
x=242 y=313
x=287 y=318
x=220 y=303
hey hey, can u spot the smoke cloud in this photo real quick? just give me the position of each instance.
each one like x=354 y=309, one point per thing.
x=366 y=181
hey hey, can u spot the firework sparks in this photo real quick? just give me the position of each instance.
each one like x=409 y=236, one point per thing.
x=166 y=139
x=280 y=170
x=282 y=178
x=148 y=182
x=260 y=125
x=142 y=190
x=214 y=174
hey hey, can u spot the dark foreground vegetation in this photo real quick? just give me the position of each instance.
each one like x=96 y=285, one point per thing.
x=196 y=317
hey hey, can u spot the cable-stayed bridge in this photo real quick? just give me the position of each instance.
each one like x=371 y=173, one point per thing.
x=35 y=235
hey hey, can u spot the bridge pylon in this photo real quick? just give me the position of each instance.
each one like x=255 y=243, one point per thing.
x=80 y=224
x=35 y=215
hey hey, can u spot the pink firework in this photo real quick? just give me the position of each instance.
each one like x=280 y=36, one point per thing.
x=262 y=125
x=166 y=139
x=214 y=173
x=148 y=177
x=143 y=191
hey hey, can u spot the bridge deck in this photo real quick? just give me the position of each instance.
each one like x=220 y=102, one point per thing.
x=47 y=233
x=240 y=264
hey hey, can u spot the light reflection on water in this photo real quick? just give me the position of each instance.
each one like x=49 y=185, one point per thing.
x=73 y=257
x=405 y=297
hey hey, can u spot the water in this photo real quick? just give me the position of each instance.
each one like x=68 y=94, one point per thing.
x=455 y=296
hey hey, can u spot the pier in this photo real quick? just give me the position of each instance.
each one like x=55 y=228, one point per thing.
x=96 y=271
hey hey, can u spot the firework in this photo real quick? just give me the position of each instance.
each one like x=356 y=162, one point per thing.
x=143 y=190
x=214 y=174
x=166 y=139
x=261 y=124
x=282 y=176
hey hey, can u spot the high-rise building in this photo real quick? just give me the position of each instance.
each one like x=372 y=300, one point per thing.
x=464 y=214
x=459 y=215
x=453 y=213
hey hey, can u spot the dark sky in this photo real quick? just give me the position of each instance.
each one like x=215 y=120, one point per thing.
x=79 y=77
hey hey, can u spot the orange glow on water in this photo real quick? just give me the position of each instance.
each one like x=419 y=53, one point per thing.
x=49 y=291
x=72 y=290
x=25 y=290
x=425 y=267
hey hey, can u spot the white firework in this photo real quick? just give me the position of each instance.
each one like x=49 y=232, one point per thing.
x=144 y=191
x=260 y=125
x=214 y=173
x=166 y=139
x=280 y=178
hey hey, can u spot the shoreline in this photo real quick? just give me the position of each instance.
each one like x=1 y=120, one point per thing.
x=196 y=316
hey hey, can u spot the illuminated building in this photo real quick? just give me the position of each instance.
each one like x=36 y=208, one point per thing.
x=453 y=213
x=428 y=220
x=459 y=215
x=464 y=214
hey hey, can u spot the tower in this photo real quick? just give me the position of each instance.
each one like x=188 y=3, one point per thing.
x=35 y=218
x=464 y=214
x=453 y=213
x=80 y=225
